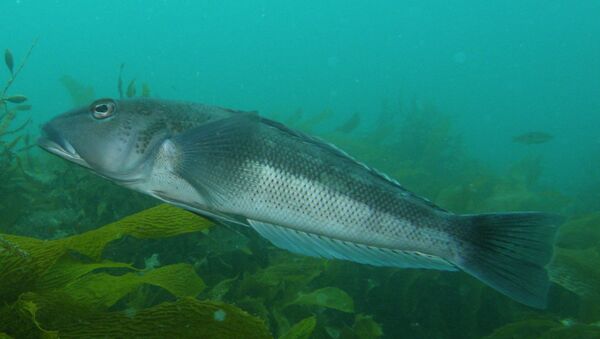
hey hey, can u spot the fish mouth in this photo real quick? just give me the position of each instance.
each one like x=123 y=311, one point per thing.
x=54 y=143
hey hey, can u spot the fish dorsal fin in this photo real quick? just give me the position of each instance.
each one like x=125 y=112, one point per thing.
x=207 y=152
x=340 y=154
x=316 y=245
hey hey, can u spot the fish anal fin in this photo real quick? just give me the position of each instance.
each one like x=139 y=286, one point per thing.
x=316 y=245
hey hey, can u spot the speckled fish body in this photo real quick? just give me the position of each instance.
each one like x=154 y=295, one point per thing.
x=299 y=192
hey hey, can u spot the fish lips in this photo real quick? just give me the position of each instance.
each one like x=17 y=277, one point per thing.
x=53 y=142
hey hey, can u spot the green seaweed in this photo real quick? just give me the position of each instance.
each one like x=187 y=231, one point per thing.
x=577 y=271
x=50 y=290
x=114 y=283
x=184 y=318
x=578 y=331
x=80 y=94
x=575 y=265
x=302 y=329
x=350 y=125
x=532 y=328
x=21 y=272
x=580 y=233
x=10 y=107
x=544 y=328
x=131 y=90
x=103 y=290
x=365 y=327
x=329 y=297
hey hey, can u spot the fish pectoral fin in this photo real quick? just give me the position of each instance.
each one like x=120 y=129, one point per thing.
x=208 y=152
x=316 y=245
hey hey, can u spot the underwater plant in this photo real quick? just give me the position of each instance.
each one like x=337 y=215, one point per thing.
x=131 y=87
x=82 y=94
x=50 y=288
x=18 y=100
x=16 y=185
x=216 y=272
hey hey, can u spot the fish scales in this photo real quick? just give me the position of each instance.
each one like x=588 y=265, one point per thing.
x=289 y=180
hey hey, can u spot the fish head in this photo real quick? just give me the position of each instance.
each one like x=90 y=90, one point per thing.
x=113 y=138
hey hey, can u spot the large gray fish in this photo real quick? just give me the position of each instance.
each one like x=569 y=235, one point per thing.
x=301 y=193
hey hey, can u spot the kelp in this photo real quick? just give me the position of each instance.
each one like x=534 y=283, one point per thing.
x=577 y=271
x=302 y=329
x=580 y=233
x=103 y=290
x=184 y=318
x=30 y=262
x=350 y=125
x=575 y=264
x=99 y=284
x=131 y=90
x=545 y=328
x=221 y=289
x=51 y=287
x=157 y=222
x=285 y=292
x=329 y=297
x=282 y=279
x=533 y=328
x=366 y=328
x=80 y=94
x=10 y=63
x=22 y=272
x=15 y=195
x=8 y=113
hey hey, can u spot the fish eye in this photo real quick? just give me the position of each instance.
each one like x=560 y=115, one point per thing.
x=103 y=109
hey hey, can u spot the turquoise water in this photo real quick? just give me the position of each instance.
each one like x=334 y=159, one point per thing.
x=499 y=69
x=493 y=72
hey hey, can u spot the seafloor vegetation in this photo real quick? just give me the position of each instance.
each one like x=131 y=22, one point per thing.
x=82 y=257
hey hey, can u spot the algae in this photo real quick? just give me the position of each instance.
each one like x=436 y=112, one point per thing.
x=533 y=328
x=302 y=329
x=329 y=297
x=365 y=327
x=545 y=329
x=104 y=290
x=80 y=94
x=13 y=144
x=51 y=287
x=184 y=318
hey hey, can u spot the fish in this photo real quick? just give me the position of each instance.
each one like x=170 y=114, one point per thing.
x=9 y=61
x=532 y=138
x=15 y=99
x=298 y=191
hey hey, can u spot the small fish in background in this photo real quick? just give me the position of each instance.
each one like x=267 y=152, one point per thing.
x=533 y=138
x=9 y=61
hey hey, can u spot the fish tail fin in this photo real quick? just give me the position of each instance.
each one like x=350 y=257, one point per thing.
x=509 y=252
